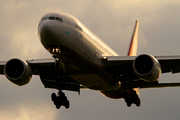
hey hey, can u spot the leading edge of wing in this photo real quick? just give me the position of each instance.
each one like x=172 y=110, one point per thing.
x=131 y=58
x=119 y=58
x=143 y=84
x=41 y=61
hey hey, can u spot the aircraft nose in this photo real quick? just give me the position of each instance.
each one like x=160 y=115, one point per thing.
x=48 y=33
x=46 y=30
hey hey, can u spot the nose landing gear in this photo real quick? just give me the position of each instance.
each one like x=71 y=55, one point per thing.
x=60 y=100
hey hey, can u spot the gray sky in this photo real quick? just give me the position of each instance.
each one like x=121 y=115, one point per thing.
x=113 y=22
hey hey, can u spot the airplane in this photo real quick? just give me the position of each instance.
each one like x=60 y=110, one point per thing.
x=81 y=60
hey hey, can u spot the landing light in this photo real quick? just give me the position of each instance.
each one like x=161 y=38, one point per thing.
x=57 y=50
x=54 y=50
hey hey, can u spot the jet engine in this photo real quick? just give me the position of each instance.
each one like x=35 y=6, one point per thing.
x=18 y=71
x=147 y=67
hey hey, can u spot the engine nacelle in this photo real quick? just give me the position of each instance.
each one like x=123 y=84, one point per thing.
x=147 y=67
x=18 y=71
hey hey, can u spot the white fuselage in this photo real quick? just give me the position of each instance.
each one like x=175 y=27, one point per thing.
x=79 y=51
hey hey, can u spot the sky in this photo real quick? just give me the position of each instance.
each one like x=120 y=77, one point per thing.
x=113 y=22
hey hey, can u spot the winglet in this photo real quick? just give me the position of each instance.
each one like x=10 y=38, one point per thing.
x=134 y=41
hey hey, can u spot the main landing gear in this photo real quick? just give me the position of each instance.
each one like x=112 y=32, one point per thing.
x=131 y=97
x=60 y=100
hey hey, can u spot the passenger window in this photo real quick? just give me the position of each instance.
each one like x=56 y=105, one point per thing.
x=51 y=18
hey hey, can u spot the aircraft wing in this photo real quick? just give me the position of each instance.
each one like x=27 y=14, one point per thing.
x=2 y=63
x=115 y=65
x=123 y=64
x=37 y=64
x=119 y=65
x=169 y=63
x=48 y=72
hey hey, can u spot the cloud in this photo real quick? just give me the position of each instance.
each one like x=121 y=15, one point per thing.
x=11 y=5
x=28 y=112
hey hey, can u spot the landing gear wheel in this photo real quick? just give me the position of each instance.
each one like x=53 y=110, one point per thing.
x=128 y=100
x=53 y=97
x=129 y=104
x=138 y=102
x=131 y=97
x=67 y=104
x=60 y=100
x=58 y=106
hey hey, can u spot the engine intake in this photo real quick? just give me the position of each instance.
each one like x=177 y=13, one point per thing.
x=18 y=71
x=147 y=67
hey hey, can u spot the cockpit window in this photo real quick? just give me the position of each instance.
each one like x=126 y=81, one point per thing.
x=45 y=18
x=59 y=19
x=52 y=18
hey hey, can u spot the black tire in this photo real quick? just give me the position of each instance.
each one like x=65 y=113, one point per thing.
x=129 y=104
x=58 y=106
x=138 y=102
x=53 y=97
x=67 y=104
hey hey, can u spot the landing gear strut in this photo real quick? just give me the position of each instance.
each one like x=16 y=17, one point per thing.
x=131 y=97
x=60 y=100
